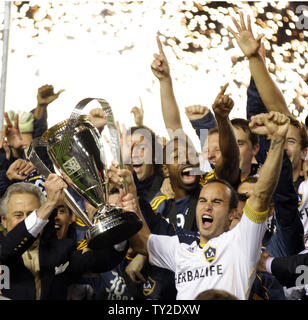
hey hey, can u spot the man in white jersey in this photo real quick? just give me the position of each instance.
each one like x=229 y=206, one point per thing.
x=218 y=259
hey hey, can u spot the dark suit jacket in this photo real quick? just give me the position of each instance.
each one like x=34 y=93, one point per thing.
x=284 y=269
x=52 y=254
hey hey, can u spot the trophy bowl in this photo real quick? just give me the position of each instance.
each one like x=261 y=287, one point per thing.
x=80 y=157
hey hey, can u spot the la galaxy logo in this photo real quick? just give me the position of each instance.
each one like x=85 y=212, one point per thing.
x=210 y=254
x=149 y=286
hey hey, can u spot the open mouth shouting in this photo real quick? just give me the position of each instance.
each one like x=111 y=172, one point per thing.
x=58 y=228
x=187 y=175
x=137 y=164
x=207 y=221
x=137 y=167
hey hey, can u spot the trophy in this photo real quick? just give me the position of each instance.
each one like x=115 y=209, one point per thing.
x=76 y=151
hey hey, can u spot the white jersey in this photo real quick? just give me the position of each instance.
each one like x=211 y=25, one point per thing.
x=227 y=262
x=303 y=205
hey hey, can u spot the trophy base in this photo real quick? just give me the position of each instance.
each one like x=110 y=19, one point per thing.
x=112 y=225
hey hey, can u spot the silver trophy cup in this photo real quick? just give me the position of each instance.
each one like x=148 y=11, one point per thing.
x=75 y=149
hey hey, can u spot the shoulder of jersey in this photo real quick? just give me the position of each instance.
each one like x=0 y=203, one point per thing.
x=158 y=200
x=207 y=176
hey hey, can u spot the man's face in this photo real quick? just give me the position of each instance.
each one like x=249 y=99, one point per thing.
x=181 y=161
x=20 y=205
x=247 y=151
x=142 y=156
x=63 y=220
x=211 y=148
x=293 y=147
x=212 y=211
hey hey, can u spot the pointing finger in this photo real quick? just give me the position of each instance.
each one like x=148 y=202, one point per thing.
x=160 y=46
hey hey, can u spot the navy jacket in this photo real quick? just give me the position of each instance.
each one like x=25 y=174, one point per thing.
x=288 y=239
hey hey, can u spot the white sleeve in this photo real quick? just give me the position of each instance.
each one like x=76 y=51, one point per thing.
x=250 y=232
x=162 y=251
x=34 y=224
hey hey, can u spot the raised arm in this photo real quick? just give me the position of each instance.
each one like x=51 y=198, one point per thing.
x=45 y=96
x=130 y=202
x=170 y=110
x=275 y=126
x=227 y=166
x=268 y=90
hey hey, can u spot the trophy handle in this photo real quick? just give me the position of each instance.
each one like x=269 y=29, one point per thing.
x=44 y=171
x=114 y=136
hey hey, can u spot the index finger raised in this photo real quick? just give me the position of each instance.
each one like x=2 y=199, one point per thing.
x=160 y=46
x=222 y=91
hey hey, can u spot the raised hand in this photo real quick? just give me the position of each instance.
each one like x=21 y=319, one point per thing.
x=54 y=186
x=138 y=114
x=196 y=112
x=128 y=201
x=273 y=124
x=160 y=66
x=97 y=117
x=46 y=95
x=19 y=170
x=116 y=176
x=245 y=38
x=125 y=144
x=223 y=104
x=12 y=134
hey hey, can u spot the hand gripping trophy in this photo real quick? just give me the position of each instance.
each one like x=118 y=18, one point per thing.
x=75 y=149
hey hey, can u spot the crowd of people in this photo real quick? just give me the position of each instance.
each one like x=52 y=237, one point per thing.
x=230 y=222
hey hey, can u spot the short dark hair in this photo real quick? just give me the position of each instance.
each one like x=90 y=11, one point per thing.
x=234 y=197
x=213 y=130
x=302 y=131
x=187 y=143
x=243 y=124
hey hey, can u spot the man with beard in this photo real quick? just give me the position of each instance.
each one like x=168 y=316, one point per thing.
x=183 y=183
x=180 y=166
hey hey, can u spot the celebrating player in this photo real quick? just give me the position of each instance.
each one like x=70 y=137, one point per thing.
x=219 y=259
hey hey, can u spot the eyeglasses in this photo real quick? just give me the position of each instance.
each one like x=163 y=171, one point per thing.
x=242 y=196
